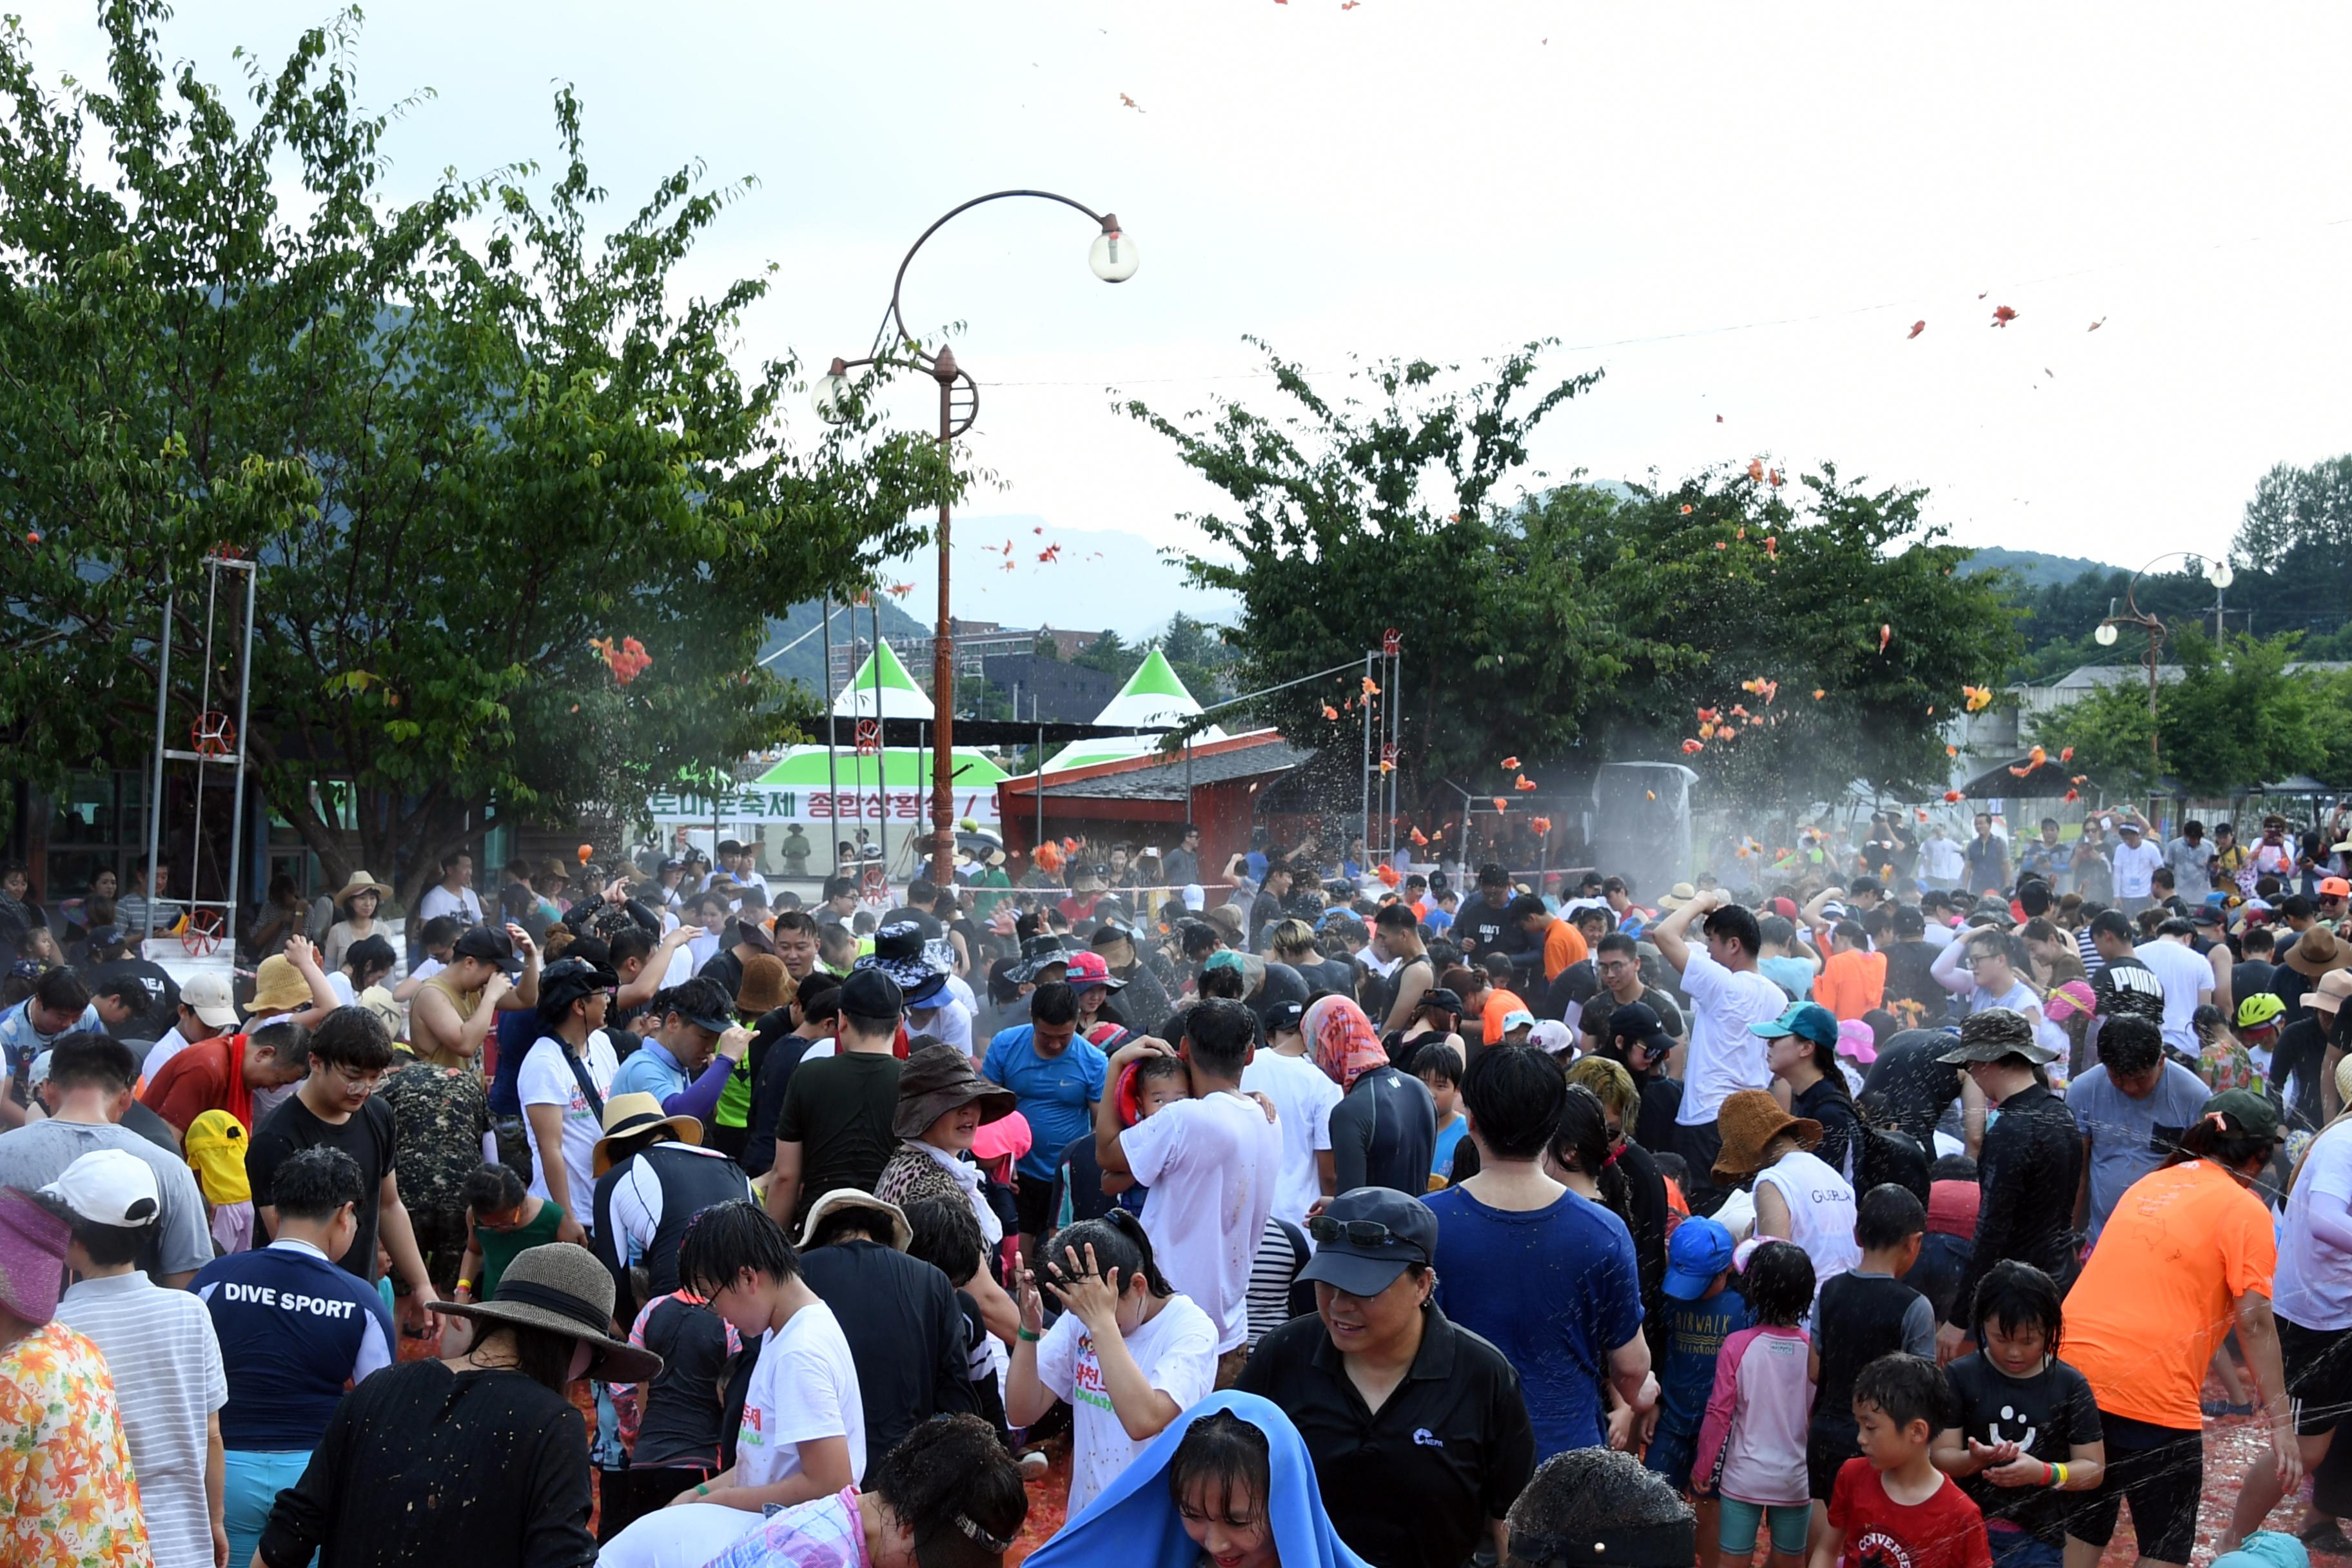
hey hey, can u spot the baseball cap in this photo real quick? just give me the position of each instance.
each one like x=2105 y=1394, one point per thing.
x=2246 y=1111
x=2329 y=888
x=1088 y=970
x=870 y=994
x=1369 y=1237
x=2207 y=915
x=1518 y=1018
x=112 y=936
x=107 y=1186
x=1284 y=1016
x=2131 y=828
x=1806 y=1020
x=1699 y=1249
x=488 y=943
x=1639 y=1021
x=207 y=996
x=1441 y=998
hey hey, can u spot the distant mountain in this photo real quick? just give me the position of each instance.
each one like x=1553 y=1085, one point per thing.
x=2034 y=568
x=805 y=661
x=1098 y=579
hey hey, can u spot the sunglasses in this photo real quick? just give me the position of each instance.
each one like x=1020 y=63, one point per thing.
x=1356 y=1232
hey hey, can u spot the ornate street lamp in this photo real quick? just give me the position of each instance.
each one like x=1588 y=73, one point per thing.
x=2217 y=572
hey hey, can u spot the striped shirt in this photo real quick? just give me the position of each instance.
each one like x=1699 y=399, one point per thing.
x=1273 y=1271
x=167 y=1365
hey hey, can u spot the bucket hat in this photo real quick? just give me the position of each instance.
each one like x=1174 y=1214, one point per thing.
x=279 y=986
x=361 y=882
x=902 y=1235
x=766 y=986
x=938 y=1079
x=1995 y=1032
x=560 y=1287
x=1751 y=1119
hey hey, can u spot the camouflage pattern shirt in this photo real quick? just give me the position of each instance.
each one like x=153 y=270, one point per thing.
x=440 y=1115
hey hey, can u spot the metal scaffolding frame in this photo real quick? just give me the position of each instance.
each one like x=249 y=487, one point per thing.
x=214 y=742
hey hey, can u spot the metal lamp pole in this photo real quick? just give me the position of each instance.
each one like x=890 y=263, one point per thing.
x=2218 y=571
x=1113 y=260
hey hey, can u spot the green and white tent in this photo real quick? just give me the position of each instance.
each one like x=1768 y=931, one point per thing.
x=804 y=785
x=1153 y=695
x=900 y=696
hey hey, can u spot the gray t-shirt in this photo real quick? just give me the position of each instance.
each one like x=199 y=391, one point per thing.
x=2129 y=1137
x=36 y=1154
x=2189 y=878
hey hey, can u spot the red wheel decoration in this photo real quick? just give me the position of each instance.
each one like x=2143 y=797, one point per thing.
x=1392 y=643
x=203 y=932
x=214 y=735
x=869 y=737
x=876 y=889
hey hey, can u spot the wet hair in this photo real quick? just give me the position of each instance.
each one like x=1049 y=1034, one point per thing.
x=635 y=941
x=949 y=1483
x=1886 y=1215
x=351 y=1037
x=1779 y=931
x=439 y=931
x=1672 y=1166
x=1906 y=1388
x=1220 y=1034
x=1910 y=924
x=371 y=957
x=2112 y=923
x=2235 y=1151
x=1584 y=1493
x=725 y=1240
x=1952 y=1168
x=1225 y=1455
x=1618 y=941
x=946 y=1233
x=1735 y=924
x=84 y=1058
x=62 y=991
x=2129 y=1044
x=1580 y=1142
x=1434 y=1058
x=1526 y=907
x=1222 y=984
x=112 y=1245
x=702 y=995
x=2018 y=1296
x=1778 y=1283
x=312 y=1184
x=1119 y=1242
x=495 y=1189
x=290 y=1042
x=1053 y=1003
x=1155 y=1066
x=1292 y=936
x=1498 y=965
x=2033 y=897
x=1515 y=1095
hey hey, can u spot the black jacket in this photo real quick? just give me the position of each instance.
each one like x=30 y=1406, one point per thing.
x=2031 y=1167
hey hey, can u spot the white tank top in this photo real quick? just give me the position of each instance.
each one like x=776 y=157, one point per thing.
x=1821 y=1213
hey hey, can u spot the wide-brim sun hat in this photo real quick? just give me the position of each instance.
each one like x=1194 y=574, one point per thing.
x=2318 y=952
x=277 y=987
x=629 y=1115
x=938 y=1079
x=766 y=985
x=1995 y=1032
x=361 y=882
x=560 y=1287
x=902 y=1235
x=1749 y=1120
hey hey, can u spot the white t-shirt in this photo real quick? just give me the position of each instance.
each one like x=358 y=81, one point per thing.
x=1177 y=1353
x=1821 y=1213
x=2312 y=1289
x=546 y=1080
x=162 y=1051
x=2135 y=869
x=465 y=904
x=946 y=1018
x=1211 y=1166
x=341 y=984
x=681 y=966
x=805 y=1387
x=1944 y=859
x=1303 y=1096
x=2185 y=973
x=426 y=968
x=1724 y=1058
x=167 y=1365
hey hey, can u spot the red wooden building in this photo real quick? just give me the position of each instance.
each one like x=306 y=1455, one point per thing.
x=1146 y=801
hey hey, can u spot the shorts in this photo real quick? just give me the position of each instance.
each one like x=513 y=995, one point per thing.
x=2161 y=1471
x=1032 y=1204
x=1825 y=1455
x=1671 y=1454
x=1737 y=1524
x=2016 y=1549
x=250 y=1482
x=2318 y=1363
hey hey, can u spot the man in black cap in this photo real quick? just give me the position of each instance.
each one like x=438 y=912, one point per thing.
x=1145 y=1000
x=834 y=1130
x=1392 y=1399
x=459 y=1006
x=1635 y=1037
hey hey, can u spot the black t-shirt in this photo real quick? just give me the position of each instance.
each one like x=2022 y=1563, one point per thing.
x=1574 y=986
x=2126 y=987
x=906 y=1334
x=1661 y=1103
x=1479 y=925
x=162 y=997
x=1910 y=976
x=1840 y=1145
x=366 y=1135
x=838 y=1110
x=679 y=1428
x=2248 y=976
x=1453 y=1438
x=1384 y=1133
x=1919 y=1088
x=2048 y=1414
x=1859 y=1318
x=775 y=1052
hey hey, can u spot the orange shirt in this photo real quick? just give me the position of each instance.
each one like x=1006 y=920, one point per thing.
x=208 y=1076
x=2161 y=1289
x=1851 y=984
x=1563 y=947
x=1498 y=1002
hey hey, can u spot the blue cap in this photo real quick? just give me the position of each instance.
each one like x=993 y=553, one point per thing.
x=1806 y=1020
x=1699 y=1249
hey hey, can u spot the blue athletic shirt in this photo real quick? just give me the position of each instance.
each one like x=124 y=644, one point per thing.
x=293 y=1329
x=1052 y=1092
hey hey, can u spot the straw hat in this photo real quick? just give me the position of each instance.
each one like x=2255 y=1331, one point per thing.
x=277 y=987
x=901 y=1235
x=361 y=882
x=1750 y=1121
x=561 y=1288
x=2317 y=952
x=628 y=1116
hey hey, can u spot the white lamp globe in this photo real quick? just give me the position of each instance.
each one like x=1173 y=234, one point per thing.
x=831 y=397
x=1113 y=256
x=2106 y=635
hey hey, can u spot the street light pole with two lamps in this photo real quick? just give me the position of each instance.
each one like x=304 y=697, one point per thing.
x=1113 y=260
x=2217 y=572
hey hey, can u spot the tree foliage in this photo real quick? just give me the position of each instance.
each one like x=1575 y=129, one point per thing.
x=460 y=438
x=1587 y=622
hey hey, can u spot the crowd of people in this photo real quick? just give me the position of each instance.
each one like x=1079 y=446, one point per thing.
x=1900 y=1203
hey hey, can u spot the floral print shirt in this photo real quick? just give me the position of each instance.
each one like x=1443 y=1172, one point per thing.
x=66 y=1499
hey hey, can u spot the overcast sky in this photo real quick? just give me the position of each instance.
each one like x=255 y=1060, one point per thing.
x=1732 y=210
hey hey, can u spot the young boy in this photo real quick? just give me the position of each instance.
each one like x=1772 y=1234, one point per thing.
x=1150 y=1086
x=1440 y=1069
x=1863 y=1315
x=160 y=1347
x=1891 y=1505
x=1701 y=1312
x=2027 y=1424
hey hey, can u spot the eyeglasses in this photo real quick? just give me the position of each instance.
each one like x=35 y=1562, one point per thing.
x=1356 y=1232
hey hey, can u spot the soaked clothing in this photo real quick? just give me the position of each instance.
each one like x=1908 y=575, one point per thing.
x=2032 y=1161
x=422 y=1464
x=440 y=1115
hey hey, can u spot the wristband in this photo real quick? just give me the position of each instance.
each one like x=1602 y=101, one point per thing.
x=1023 y=1332
x=2057 y=1478
x=702 y=1488
x=465 y=1284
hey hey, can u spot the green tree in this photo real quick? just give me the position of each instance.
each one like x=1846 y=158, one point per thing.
x=2234 y=716
x=460 y=438
x=1110 y=655
x=2298 y=526
x=1200 y=657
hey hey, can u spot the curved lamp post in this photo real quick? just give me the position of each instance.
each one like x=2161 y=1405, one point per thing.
x=1113 y=260
x=2217 y=572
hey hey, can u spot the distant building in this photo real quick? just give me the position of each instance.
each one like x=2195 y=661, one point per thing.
x=974 y=642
